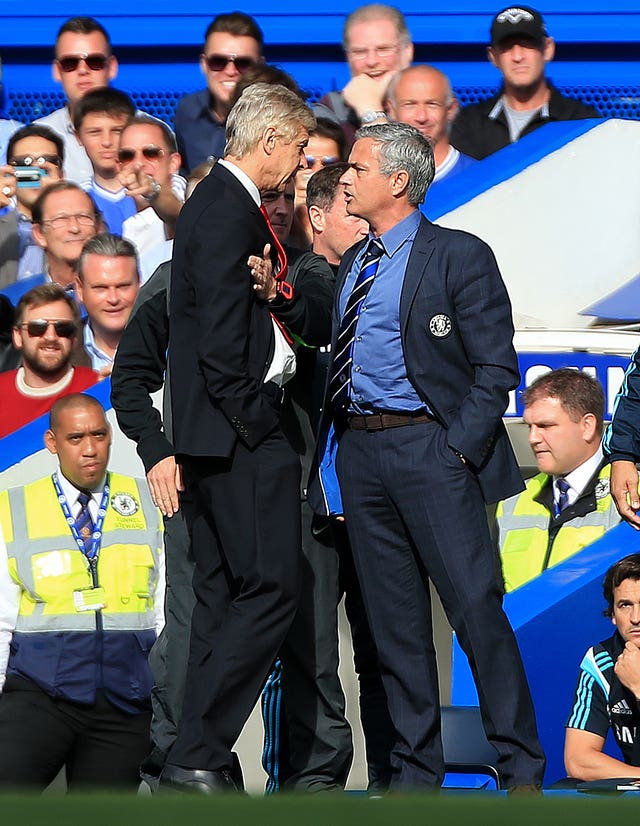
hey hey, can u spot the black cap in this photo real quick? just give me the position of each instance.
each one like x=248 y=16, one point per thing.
x=517 y=20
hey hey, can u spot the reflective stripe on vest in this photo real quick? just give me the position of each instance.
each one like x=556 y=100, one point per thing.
x=523 y=526
x=45 y=561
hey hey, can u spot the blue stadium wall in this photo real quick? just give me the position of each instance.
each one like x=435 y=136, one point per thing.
x=158 y=50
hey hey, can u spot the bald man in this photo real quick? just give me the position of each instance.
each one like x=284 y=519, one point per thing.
x=422 y=97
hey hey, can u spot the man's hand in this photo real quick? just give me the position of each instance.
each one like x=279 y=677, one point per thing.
x=165 y=480
x=624 y=489
x=262 y=273
x=137 y=184
x=367 y=94
x=627 y=668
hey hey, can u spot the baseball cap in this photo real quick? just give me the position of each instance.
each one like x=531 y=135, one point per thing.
x=518 y=20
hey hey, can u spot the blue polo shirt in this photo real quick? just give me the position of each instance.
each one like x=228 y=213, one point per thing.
x=379 y=379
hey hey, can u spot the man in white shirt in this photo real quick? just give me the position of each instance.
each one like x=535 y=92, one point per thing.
x=568 y=504
x=83 y=62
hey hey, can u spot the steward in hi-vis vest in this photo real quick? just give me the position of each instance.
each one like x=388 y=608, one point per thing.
x=81 y=602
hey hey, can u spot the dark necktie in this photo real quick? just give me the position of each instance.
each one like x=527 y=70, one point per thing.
x=283 y=266
x=84 y=524
x=563 y=498
x=340 y=385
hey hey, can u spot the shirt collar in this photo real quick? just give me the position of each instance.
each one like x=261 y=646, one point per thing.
x=244 y=179
x=71 y=491
x=579 y=478
x=402 y=232
x=98 y=357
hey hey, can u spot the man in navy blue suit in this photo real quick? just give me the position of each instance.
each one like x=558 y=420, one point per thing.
x=423 y=362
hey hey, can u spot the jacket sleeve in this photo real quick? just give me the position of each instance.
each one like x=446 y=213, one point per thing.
x=622 y=438
x=308 y=313
x=9 y=606
x=138 y=371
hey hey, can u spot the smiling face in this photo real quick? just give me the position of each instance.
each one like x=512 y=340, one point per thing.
x=222 y=82
x=108 y=290
x=522 y=61
x=626 y=610
x=374 y=47
x=82 y=78
x=81 y=439
x=45 y=357
x=68 y=221
x=422 y=99
x=559 y=443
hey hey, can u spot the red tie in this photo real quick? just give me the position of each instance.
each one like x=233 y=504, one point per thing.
x=283 y=267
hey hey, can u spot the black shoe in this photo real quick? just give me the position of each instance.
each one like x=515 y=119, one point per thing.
x=200 y=781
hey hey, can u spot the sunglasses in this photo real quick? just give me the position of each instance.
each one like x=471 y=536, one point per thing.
x=151 y=153
x=218 y=62
x=36 y=160
x=94 y=62
x=37 y=327
x=328 y=160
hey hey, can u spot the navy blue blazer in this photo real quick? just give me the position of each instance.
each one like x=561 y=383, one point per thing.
x=457 y=339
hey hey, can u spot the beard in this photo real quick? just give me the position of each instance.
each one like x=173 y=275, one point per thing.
x=50 y=362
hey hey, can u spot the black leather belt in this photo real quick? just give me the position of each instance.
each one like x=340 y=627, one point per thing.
x=383 y=421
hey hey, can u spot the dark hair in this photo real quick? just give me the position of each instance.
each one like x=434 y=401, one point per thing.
x=37 y=210
x=627 y=568
x=323 y=185
x=107 y=100
x=238 y=24
x=265 y=73
x=110 y=246
x=83 y=25
x=46 y=294
x=326 y=128
x=577 y=392
x=36 y=131
x=148 y=120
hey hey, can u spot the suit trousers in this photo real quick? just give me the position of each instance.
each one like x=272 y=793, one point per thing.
x=414 y=513
x=99 y=745
x=245 y=541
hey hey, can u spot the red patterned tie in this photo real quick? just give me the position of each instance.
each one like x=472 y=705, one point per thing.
x=283 y=266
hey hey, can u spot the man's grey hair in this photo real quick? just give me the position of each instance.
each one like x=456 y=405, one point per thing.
x=376 y=11
x=260 y=106
x=403 y=147
x=390 y=94
x=109 y=246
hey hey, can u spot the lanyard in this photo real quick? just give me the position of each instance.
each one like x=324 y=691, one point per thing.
x=71 y=522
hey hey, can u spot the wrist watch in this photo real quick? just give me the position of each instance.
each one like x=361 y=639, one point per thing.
x=372 y=117
x=156 y=188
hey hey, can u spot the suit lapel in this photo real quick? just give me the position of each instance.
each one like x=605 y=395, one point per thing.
x=419 y=258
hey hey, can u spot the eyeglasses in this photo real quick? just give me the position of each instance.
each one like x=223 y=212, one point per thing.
x=218 y=62
x=36 y=160
x=37 y=327
x=84 y=219
x=94 y=62
x=381 y=52
x=151 y=153
x=328 y=160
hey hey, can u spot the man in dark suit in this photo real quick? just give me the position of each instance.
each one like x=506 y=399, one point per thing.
x=228 y=362
x=422 y=363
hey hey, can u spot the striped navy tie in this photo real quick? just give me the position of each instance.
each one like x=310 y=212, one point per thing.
x=563 y=498
x=84 y=524
x=340 y=386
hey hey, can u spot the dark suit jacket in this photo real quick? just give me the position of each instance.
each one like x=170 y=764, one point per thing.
x=221 y=337
x=9 y=248
x=457 y=331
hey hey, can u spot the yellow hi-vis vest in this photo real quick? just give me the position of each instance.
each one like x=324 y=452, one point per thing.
x=68 y=648
x=527 y=547
x=46 y=563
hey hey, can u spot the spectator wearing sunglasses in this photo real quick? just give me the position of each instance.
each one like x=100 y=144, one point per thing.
x=35 y=156
x=99 y=119
x=64 y=217
x=83 y=61
x=46 y=330
x=232 y=44
x=148 y=163
x=327 y=146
